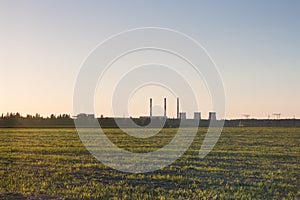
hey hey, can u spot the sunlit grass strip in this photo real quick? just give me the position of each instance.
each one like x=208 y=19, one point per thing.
x=257 y=163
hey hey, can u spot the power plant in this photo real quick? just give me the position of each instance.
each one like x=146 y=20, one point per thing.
x=159 y=120
x=179 y=115
x=155 y=120
x=149 y=121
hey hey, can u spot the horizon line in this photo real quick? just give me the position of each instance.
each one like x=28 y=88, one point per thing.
x=38 y=115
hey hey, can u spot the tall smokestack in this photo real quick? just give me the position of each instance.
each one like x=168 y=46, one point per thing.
x=165 y=107
x=150 y=107
x=177 y=108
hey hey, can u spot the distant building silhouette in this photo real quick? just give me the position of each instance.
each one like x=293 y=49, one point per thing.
x=212 y=116
x=197 y=115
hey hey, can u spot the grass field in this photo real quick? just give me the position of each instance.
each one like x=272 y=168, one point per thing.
x=246 y=163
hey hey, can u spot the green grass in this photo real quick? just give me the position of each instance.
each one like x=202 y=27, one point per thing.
x=246 y=163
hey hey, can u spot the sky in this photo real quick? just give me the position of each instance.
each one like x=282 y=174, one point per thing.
x=255 y=45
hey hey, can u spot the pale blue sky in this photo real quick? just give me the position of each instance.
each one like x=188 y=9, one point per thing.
x=256 y=45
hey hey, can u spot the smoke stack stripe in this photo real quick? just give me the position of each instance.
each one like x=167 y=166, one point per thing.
x=150 y=107
x=165 y=107
x=177 y=108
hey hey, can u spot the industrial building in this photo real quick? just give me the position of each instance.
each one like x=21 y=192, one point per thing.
x=179 y=115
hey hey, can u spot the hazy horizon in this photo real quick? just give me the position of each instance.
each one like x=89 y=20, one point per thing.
x=203 y=116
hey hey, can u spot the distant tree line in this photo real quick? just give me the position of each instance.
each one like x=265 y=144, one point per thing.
x=17 y=120
x=65 y=120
